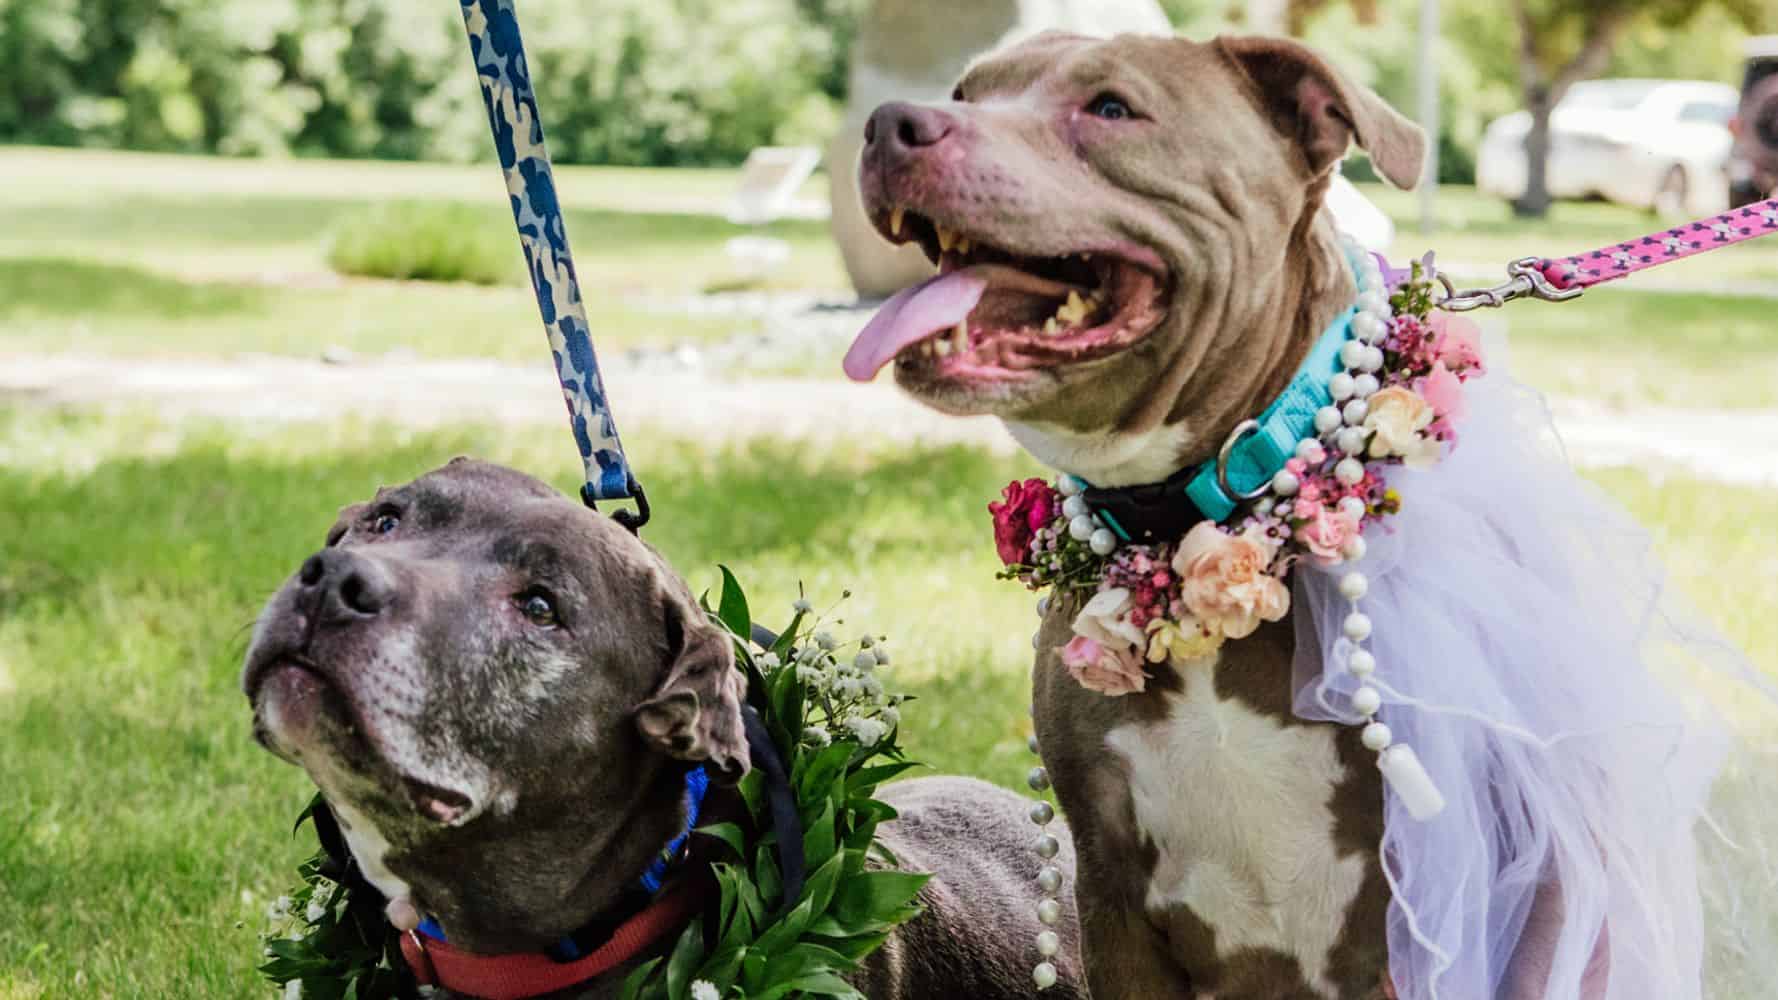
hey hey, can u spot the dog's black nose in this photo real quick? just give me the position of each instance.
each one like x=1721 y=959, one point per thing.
x=899 y=128
x=344 y=586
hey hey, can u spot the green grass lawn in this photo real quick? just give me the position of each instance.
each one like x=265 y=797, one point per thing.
x=143 y=833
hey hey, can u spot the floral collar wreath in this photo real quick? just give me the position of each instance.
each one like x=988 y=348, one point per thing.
x=773 y=934
x=1392 y=393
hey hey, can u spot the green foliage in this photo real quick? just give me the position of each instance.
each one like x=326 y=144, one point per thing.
x=765 y=945
x=426 y=241
x=625 y=82
x=336 y=943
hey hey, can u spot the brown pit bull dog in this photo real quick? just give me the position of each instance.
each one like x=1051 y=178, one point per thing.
x=1136 y=259
x=499 y=692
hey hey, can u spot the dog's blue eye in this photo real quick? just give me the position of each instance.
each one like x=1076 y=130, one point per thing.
x=538 y=609
x=1109 y=107
x=385 y=524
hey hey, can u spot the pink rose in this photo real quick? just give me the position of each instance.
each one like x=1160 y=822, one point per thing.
x=1107 y=670
x=1025 y=507
x=1327 y=534
x=1457 y=341
x=1444 y=390
x=1223 y=580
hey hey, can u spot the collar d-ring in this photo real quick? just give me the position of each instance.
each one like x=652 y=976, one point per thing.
x=1240 y=433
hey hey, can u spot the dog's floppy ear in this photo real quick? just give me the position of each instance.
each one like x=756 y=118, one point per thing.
x=1310 y=102
x=696 y=712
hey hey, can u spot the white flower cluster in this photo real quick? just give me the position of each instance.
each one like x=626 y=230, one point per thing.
x=845 y=693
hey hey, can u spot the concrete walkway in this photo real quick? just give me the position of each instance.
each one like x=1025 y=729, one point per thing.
x=1739 y=447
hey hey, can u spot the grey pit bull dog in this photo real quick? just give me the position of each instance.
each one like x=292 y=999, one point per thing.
x=1136 y=259
x=499 y=692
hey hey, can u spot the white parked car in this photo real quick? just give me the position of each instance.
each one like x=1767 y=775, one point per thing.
x=1656 y=144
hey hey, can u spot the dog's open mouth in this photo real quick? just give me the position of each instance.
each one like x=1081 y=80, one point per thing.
x=992 y=314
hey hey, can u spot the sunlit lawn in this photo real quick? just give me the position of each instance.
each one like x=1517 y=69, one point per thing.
x=151 y=255
x=141 y=832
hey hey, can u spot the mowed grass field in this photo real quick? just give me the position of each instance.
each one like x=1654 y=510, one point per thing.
x=142 y=833
x=135 y=254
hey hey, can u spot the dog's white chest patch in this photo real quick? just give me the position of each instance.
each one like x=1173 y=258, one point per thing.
x=1236 y=804
x=369 y=849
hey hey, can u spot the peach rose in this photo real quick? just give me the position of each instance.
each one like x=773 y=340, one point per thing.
x=1397 y=416
x=1326 y=534
x=1110 y=671
x=1223 y=580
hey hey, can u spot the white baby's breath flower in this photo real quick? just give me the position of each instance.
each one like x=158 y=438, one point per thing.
x=293 y=990
x=873 y=688
x=817 y=736
x=801 y=606
x=315 y=911
x=866 y=731
x=770 y=661
x=848 y=687
x=881 y=653
x=891 y=716
x=703 y=989
x=865 y=660
x=868 y=641
x=826 y=640
x=808 y=654
x=811 y=676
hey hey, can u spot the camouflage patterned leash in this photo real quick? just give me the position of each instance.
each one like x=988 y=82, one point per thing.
x=505 y=78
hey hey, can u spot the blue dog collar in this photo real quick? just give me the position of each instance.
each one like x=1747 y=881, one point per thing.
x=1163 y=511
x=1261 y=454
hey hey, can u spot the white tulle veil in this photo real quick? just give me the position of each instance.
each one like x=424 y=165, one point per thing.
x=1577 y=718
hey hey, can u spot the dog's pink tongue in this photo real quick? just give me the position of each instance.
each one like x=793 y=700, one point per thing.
x=913 y=314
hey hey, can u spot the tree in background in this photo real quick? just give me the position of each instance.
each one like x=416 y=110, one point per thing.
x=1561 y=42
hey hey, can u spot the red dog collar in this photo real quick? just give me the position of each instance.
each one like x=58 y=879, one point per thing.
x=532 y=974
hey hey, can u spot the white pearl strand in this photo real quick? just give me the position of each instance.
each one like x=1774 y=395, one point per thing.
x=1341 y=428
x=1084 y=526
x=1049 y=874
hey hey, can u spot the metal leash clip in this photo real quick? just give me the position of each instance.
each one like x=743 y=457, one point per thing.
x=1525 y=280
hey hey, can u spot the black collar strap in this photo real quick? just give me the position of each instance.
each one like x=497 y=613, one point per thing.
x=1150 y=513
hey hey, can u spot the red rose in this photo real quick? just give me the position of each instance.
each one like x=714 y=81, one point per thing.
x=1024 y=508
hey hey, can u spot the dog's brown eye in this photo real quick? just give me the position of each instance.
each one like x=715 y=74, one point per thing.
x=384 y=524
x=1109 y=107
x=538 y=609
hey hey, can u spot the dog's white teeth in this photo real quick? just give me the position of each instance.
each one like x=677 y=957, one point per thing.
x=943 y=347
x=1074 y=310
x=964 y=245
x=895 y=216
x=946 y=238
x=1050 y=327
x=960 y=337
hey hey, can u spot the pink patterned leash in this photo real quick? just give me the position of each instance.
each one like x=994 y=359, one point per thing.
x=1561 y=279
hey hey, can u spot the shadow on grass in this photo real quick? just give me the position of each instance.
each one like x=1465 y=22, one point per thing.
x=63 y=288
